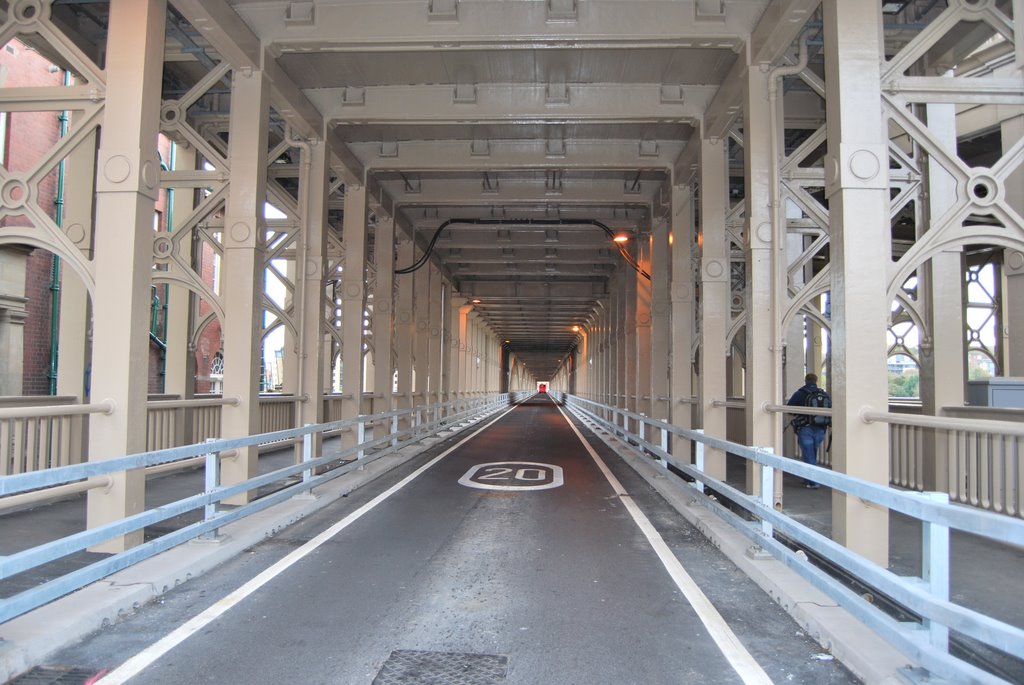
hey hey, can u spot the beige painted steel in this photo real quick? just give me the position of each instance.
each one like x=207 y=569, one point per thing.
x=857 y=188
x=681 y=378
x=180 y=369
x=714 y=285
x=405 y=325
x=125 y=199
x=242 y=272
x=435 y=308
x=314 y=183
x=661 y=321
x=1012 y=131
x=941 y=282
x=765 y=252
x=382 y=320
x=353 y=305
x=13 y=312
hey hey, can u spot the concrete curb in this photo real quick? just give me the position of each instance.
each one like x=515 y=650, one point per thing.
x=28 y=640
x=867 y=655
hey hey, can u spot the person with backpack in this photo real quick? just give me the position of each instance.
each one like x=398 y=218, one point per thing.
x=810 y=430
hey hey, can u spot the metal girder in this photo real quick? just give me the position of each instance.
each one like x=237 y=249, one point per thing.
x=406 y=25
x=458 y=155
x=949 y=89
x=511 y=102
x=230 y=36
x=449 y=191
x=780 y=25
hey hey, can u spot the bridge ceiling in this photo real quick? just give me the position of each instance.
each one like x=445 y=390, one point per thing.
x=511 y=123
x=515 y=122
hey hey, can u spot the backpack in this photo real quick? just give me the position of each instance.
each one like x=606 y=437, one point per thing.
x=820 y=399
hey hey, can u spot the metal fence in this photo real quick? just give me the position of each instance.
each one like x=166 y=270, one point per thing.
x=425 y=421
x=925 y=641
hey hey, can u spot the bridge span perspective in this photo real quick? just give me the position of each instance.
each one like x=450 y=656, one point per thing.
x=511 y=341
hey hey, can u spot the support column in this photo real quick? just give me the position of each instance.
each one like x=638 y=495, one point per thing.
x=126 y=195
x=943 y=355
x=858 y=190
x=645 y=397
x=180 y=376
x=1012 y=130
x=383 y=320
x=435 y=311
x=714 y=193
x=405 y=325
x=421 y=287
x=629 y=349
x=681 y=379
x=661 y=323
x=242 y=280
x=765 y=273
x=314 y=184
x=75 y=343
x=353 y=305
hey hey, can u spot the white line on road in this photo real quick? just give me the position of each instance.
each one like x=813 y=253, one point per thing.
x=739 y=658
x=149 y=655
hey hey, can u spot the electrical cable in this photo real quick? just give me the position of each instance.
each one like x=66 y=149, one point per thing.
x=628 y=258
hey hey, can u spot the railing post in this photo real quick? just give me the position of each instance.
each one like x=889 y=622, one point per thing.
x=664 y=447
x=360 y=437
x=307 y=454
x=394 y=430
x=935 y=568
x=211 y=484
x=698 y=460
x=767 y=492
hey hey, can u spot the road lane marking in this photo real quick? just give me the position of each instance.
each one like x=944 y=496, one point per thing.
x=739 y=658
x=512 y=476
x=136 y=664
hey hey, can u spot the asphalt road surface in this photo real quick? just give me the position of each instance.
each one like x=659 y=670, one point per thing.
x=513 y=558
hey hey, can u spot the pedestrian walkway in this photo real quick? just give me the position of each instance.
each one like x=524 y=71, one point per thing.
x=515 y=554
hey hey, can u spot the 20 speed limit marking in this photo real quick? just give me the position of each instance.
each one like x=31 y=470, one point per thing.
x=513 y=475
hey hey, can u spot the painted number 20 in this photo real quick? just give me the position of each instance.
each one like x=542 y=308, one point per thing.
x=502 y=473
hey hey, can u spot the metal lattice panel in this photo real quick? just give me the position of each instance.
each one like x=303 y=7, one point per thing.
x=413 y=667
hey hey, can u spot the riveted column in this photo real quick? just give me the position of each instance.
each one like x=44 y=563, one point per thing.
x=421 y=287
x=353 y=305
x=405 y=324
x=765 y=251
x=74 y=340
x=1012 y=130
x=453 y=344
x=462 y=359
x=681 y=378
x=242 y=282
x=628 y=321
x=940 y=283
x=714 y=285
x=126 y=191
x=435 y=312
x=661 y=323
x=856 y=184
x=619 y=344
x=642 y=324
x=179 y=378
x=313 y=183
x=383 y=314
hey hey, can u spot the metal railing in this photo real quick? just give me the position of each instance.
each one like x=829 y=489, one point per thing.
x=426 y=421
x=41 y=437
x=927 y=597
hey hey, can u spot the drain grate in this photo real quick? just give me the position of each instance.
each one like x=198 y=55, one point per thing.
x=56 y=675
x=411 y=667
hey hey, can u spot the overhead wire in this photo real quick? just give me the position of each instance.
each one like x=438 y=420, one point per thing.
x=419 y=263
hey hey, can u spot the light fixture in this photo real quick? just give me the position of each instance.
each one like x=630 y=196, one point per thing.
x=620 y=238
x=575 y=329
x=476 y=301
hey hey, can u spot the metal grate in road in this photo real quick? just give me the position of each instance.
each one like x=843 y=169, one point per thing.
x=56 y=675
x=412 y=667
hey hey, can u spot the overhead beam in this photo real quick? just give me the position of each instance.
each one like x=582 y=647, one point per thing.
x=520 y=103
x=395 y=26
